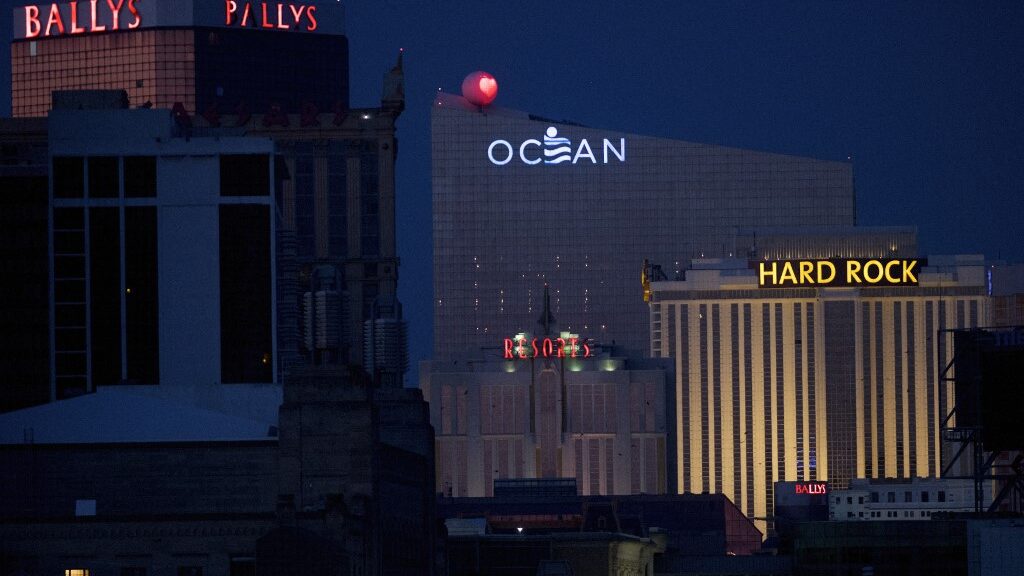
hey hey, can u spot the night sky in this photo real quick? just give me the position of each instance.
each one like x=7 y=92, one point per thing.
x=925 y=98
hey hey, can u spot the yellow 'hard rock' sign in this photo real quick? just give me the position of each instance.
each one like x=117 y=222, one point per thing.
x=839 y=272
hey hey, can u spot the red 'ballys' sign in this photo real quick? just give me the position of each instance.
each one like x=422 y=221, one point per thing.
x=79 y=17
x=812 y=488
x=272 y=15
x=93 y=16
x=524 y=349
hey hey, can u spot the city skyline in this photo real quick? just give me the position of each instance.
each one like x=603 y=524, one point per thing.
x=715 y=288
x=923 y=99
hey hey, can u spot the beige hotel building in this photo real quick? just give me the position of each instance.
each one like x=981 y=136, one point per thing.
x=804 y=380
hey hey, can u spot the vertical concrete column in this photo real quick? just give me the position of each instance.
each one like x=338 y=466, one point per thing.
x=321 y=202
x=386 y=188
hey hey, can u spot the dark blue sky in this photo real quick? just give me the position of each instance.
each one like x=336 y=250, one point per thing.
x=925 y=97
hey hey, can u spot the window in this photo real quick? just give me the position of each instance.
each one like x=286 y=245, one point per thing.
x=103 y=177
x=245 y=289
x=140 y=176
x=245 y=175
x=68 y=177
x=849 y=499
x=874 y=496
x=892 y=497
x=908 y=496
x=924 y=496
x=860 y=514
x=942 y=496
x=243 y=566
x=76 y=572
x=849 y=514
x=860 y=500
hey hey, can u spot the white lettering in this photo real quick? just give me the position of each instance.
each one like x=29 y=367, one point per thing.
x=522 y=151
x=581 y=154
x=620 y=153
x=490 y=152
x=553 y=150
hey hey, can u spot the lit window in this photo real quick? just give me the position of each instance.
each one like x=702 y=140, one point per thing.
x=76 y=572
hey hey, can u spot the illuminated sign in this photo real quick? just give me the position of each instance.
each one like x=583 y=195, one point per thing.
x=81 y=17
x=522 y=347
x=839 y=272
x=270 y=15
x=554 y=149
x=811 y=488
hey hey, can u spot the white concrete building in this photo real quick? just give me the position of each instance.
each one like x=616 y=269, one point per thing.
x=909 y=499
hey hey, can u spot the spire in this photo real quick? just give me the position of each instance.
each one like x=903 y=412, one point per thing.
x=546 y=319
x=394 y=86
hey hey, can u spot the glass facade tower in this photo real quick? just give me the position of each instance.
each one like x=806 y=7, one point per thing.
x=520 y=202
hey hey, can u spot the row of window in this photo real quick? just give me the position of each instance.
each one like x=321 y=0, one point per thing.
x=892 y=514
x=99 y=176
x=70 y=179
x=908 y=496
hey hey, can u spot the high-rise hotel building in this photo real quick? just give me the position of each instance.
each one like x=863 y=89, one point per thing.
x=520 y=201
x=786 y=374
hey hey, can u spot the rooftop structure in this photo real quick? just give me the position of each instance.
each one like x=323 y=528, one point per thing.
x=209 y=57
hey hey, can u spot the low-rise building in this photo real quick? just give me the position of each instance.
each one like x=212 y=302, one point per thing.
x=551 y=405
x=901 y=499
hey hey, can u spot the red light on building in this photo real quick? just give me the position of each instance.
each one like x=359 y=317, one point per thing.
x=480 y=88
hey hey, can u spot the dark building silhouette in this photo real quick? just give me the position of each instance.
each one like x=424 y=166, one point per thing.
x=191 y=430
x=343 y=486
x=530 y=522
x=24 y=286
x=327 y=184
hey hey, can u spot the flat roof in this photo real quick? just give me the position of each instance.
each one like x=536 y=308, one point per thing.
x=114 y=415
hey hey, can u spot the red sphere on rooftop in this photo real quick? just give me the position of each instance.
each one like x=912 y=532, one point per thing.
x=480 y=88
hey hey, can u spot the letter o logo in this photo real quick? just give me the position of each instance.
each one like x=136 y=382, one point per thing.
x=490 y=152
